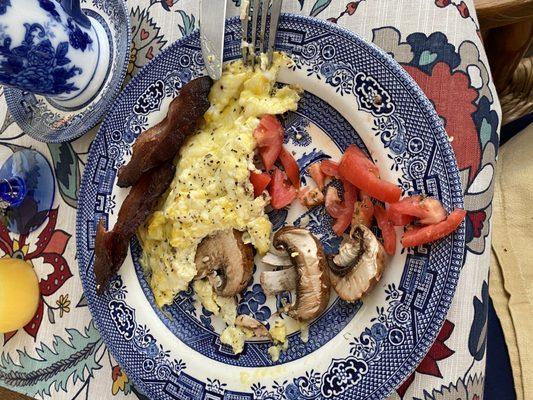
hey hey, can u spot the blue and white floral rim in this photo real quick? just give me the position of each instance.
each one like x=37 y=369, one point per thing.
x=369 y=355
x=45 y=121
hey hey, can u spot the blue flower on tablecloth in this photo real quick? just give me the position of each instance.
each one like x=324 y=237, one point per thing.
x=50 y=7
x=429 y=50
x=4 y=4
x=77 y=38
x=251 y=304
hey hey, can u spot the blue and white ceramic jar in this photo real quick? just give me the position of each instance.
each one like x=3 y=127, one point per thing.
x=52 y=49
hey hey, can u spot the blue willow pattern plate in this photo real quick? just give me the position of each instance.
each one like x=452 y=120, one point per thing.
x=354 y=93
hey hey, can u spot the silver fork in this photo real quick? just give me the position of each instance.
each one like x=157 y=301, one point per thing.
x=252 y=10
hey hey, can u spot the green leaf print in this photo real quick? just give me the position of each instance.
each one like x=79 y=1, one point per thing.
x=319 y=6
x=74 y=357
x=67 y=171
x=188 y=23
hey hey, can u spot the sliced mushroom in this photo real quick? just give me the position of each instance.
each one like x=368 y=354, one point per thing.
x=276 y=260
x=274 y=282
x=226 y=261
x=312 y=285
x=259 y=330
x=358 y=266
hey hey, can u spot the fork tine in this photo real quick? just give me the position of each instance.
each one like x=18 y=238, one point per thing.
x=274 y=19
x=262 y=31
x=245 y=17
x=255 y=17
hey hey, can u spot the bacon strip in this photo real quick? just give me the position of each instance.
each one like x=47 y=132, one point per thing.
x=111 y=247
x=162 y=141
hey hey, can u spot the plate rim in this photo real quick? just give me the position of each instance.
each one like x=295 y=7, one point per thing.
x=435 y=324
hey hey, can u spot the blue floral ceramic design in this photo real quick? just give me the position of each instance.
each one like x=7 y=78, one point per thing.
x=77 y=38
x=403 y=315
x=4 y=4
x=42 y=117
x=36 y=65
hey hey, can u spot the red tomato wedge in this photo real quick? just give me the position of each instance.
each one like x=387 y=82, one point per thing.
x=290 y=166
x=357 y=169
x=399 y=219
x=310 y=197
x=387 y=229
x=330 y=168
x=341 y=212
x=269 y=136
x=363 y=212
x=429 y=211
x=333 y=202
x=260 y=182
x=317 y=175
x=426 y=234
x=282 y=193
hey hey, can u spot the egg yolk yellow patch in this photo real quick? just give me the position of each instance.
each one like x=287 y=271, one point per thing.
x=211 y=190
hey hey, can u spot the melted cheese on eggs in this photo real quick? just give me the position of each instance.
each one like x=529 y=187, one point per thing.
x=211 y=190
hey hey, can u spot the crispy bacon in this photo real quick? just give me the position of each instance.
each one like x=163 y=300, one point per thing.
x=162 y=141
x=111 y=247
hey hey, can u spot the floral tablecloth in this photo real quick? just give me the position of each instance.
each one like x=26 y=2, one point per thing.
x=60 y=354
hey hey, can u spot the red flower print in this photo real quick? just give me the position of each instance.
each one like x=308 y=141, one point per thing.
x=351 y=7
x=477 y=219
x=428 y=366
x=332 y=20
x=442 y=3
x=463 y=9
x=453 y=98
x=49 y=247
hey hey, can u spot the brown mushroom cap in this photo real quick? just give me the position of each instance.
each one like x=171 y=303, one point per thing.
x=358 y=266
x=226 y=261
x=313 y=284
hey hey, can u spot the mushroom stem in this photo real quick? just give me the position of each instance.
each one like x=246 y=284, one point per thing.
x=274 y=282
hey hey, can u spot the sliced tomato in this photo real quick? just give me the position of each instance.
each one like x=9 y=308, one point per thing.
x=427 y=234
x=282 y=193
x=363 y=212
x=333 y=202
x=399 y=219
x=427 y=210
x=387 y=229
x=357 y=169
x=317 y=175
x=269 y=136
x=356 y=151
x=310 y=197
x=260 y=182
x=330 y=168
x=290 y=166
x=342 y=212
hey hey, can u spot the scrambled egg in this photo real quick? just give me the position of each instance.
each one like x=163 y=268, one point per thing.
x=278 y=331
x=225 y=307
x=211 y=190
